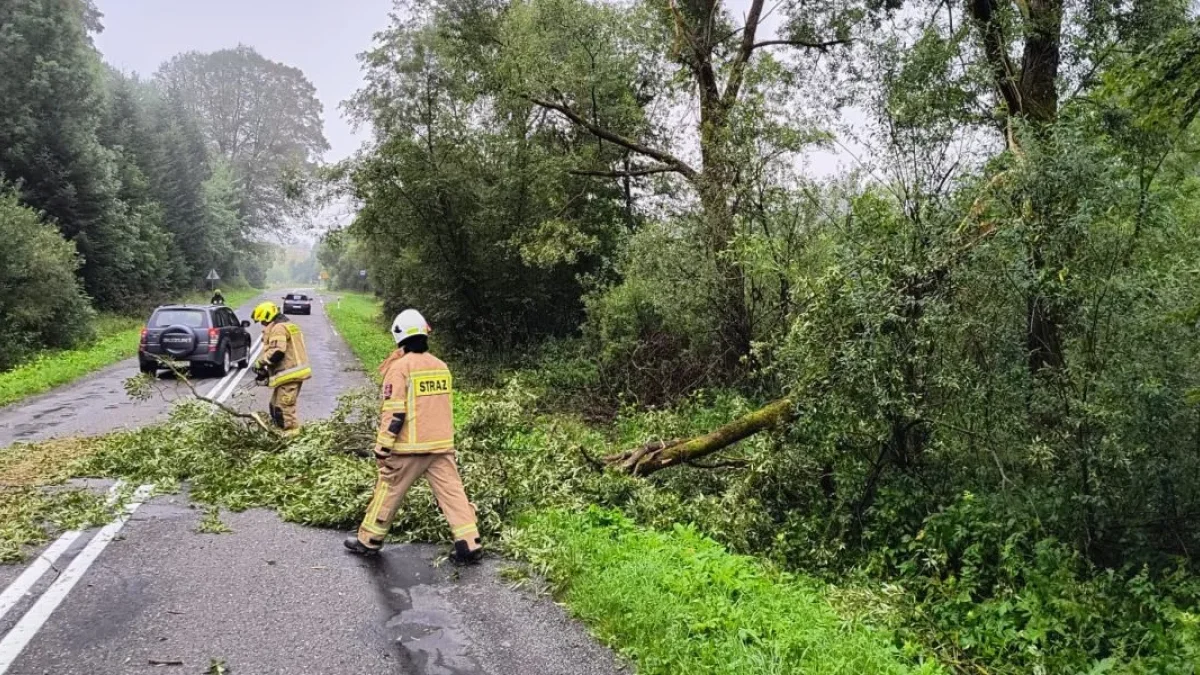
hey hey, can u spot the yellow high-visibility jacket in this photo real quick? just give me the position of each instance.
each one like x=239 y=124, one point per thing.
x=284 y=336
x=421 y=387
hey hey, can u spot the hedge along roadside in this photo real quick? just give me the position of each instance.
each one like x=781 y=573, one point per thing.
x=117 y=338
x=674 y=601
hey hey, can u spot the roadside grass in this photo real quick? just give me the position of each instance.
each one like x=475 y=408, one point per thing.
x=677 y=602
x=357 y=317
x=116 y=339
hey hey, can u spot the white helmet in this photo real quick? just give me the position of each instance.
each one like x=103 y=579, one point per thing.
x=407 y=324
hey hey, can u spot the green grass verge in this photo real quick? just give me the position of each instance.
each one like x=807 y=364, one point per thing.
x=116 y=339
x=357 y=317
x=677 y=602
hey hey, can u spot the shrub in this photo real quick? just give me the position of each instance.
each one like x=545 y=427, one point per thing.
x=41 y=302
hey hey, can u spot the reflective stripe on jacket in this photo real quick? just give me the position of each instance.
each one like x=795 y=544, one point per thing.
x=285 y=336
x=421 y=387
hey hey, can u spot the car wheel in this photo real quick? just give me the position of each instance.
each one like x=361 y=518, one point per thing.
x=222 y=366
x=245 y=361
x=148 y=367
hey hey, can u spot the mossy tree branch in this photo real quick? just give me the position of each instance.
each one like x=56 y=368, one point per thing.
x=661 y=455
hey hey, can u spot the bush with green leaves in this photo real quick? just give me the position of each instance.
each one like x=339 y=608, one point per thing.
x=42 y=305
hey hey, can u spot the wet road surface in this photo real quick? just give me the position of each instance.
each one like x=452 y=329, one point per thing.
x=274 y=597
x=279 y=598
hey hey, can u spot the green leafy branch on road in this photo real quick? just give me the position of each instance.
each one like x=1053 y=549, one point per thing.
x=31 y=515
x=143 y=386
x=211 y=522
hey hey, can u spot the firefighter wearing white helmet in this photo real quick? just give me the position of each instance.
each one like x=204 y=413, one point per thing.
x=416 y=438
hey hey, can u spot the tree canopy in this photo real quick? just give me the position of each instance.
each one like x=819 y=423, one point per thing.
x=979 y=338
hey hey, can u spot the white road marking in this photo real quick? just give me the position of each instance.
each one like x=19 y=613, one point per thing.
x=17 y=589
x=220 y=383
x=21 y=586
x=215 y=394
x=19 y=637
x=238 y=378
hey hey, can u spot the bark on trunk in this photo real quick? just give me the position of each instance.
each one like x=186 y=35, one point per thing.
x=1029 y=93
x=732 y=308
x=659 y=455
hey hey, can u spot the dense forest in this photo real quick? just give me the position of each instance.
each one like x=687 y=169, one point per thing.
x=117 y=191
x=980 y=337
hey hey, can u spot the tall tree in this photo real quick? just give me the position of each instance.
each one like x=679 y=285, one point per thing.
x=717 y=54
x=52 y=103
x=467 y=209
x=260 y=116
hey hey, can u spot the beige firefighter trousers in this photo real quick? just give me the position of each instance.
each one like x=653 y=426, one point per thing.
x=284 y=399
x=397 y=473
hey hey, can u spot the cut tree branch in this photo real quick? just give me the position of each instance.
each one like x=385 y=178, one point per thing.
x=660 y=455
x=676 y=164
x=182 y=377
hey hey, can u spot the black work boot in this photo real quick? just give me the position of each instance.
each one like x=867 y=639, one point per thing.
x=356 y=547
x=463 y=555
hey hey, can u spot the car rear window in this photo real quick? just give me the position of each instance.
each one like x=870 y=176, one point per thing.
x=192 y=318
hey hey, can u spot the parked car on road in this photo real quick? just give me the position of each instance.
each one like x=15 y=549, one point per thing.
x=199 y=335
x=297 y=303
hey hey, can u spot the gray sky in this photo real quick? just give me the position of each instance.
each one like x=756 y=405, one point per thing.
x=321 y=37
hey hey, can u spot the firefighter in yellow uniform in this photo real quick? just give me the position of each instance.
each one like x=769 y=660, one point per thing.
x=415 y=439
x=283 y=365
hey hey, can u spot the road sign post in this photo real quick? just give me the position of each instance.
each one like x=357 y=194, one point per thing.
x=212 y=278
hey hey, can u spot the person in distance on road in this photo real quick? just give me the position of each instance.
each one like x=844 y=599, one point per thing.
x=283 y=365
x=416 y=438
x=217 y=298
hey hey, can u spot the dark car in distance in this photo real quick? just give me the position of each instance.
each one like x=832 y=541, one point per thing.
x=297 y=303
x=200 y=335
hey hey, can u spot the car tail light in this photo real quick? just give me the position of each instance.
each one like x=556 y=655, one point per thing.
x=213 y=338
x=142 y=341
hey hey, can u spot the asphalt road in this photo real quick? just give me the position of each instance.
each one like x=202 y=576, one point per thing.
x=271 y=597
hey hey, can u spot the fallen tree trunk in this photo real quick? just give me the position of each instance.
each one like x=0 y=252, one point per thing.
x=659 y=455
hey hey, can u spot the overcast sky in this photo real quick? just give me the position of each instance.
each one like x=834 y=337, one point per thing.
x=321 y=37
